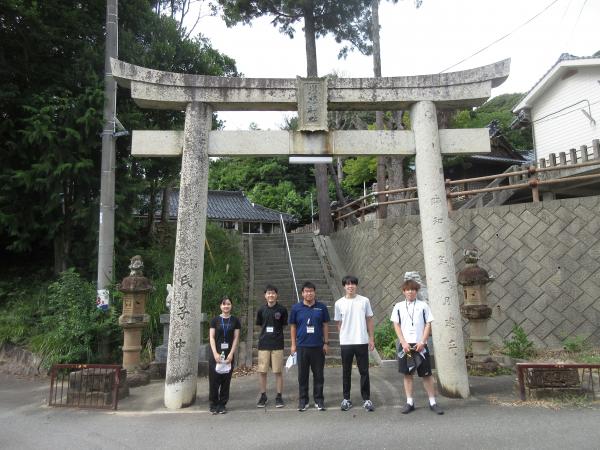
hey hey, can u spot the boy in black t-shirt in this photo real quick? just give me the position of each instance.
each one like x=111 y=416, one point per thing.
x=272 y=317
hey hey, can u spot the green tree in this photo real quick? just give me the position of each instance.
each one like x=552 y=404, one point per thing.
x=348 y=21
x=500 y=109
x=270 y=182
x=51 y=111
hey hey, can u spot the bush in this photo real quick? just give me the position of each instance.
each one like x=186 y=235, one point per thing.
x=385 y=340
x=519 y=346
x=22 y=310
x=222 y=275
x=575 y=344
x=72 y=328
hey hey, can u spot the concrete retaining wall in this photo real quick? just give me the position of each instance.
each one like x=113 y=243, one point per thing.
x=545 y=257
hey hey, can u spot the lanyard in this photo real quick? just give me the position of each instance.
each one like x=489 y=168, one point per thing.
x=412 y=316
x=225 y=328
x=311 y=309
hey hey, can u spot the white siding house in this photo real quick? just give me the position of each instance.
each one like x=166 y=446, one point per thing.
x=564 y=106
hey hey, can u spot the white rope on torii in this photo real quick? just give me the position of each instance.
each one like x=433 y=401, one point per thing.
x=200 y=95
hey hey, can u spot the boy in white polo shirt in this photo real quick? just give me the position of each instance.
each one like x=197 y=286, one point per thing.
x=354 y=318
x=412 y=322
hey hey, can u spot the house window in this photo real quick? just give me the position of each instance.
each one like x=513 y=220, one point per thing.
x=255 y=228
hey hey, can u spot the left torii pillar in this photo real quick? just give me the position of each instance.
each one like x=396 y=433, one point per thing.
x=182 y=360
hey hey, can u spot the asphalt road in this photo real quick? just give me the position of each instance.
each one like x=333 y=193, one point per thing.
x=491 y=418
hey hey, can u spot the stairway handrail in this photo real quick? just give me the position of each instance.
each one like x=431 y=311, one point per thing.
x=289 y=255
x=496 y=182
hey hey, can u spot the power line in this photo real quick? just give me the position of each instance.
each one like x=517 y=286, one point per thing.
x=576 y=22
x=502 y=38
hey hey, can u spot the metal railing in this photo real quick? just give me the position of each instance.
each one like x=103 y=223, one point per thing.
x=584 y=376
x=289 y=255
x=85 y=385
x=526 y=178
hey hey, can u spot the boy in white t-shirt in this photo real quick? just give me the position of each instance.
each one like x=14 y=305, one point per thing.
x=412 y=322
x=354 y=318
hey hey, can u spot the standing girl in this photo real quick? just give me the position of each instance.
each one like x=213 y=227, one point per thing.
x=224 y=338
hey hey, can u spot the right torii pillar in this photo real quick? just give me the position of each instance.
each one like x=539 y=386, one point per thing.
x=437 y=252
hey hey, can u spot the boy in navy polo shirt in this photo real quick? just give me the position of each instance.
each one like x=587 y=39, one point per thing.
x=309 y=332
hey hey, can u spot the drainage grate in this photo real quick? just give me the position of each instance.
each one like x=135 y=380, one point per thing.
x=85 y=385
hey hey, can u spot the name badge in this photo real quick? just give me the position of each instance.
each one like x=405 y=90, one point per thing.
x=224 y=345
x=269 y=329
x=310 y=330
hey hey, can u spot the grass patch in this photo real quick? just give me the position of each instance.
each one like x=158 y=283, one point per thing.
x=478 y=372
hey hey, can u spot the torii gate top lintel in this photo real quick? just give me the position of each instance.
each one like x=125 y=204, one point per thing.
x=169 y=90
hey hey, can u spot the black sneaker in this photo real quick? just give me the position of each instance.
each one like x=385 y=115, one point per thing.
x=222 y=409
x=213 y=410
x=320 y=406
x=302 y=405
x=436 y=409
x=279 y=402
x=346 y=405
x=407 y=409
x=262 y=401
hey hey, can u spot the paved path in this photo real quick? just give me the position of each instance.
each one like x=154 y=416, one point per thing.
x=490 y=419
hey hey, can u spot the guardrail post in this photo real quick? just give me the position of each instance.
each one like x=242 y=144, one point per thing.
x=584 y=153
x=562 y=157
x=573 y=156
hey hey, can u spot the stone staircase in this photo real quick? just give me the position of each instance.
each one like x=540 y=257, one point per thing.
x=271 y=266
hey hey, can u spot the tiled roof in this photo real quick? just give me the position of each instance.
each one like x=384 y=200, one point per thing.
x=232 y=206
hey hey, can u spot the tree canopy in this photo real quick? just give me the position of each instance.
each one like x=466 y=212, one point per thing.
x=498 y=108
x=51 y=98
x=348 y=21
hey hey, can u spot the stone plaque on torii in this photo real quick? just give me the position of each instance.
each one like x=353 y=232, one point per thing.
x=200 y=95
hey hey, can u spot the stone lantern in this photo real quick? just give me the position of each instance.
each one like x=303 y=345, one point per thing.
x=136 y=288
x=475 y=308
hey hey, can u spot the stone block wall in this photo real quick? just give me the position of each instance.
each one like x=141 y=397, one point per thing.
x=545 y=257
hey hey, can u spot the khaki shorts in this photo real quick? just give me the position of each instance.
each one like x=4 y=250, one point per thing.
x=272 y=359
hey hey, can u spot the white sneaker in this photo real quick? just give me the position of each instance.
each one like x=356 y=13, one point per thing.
x=346 y=405
x=368 y=405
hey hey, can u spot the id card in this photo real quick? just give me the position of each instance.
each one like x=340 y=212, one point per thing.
x=310 y=329
x=224 y=345
x=269 y=329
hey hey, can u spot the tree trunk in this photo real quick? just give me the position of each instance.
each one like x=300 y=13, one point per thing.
x=151 y=209
x=310 y=40
x=164 y=213
x=396 y=179
x=321 y=180
x=381 y=172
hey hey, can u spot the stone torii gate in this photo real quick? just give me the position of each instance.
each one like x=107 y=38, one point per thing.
x=200 y=95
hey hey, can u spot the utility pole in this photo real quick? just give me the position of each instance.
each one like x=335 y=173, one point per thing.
x=106 y=232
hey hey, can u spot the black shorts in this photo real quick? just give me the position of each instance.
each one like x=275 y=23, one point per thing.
x=424 y=369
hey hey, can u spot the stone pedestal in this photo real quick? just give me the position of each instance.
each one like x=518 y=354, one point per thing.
x=158 y=366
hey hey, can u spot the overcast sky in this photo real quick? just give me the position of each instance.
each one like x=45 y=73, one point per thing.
x=426 y=40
